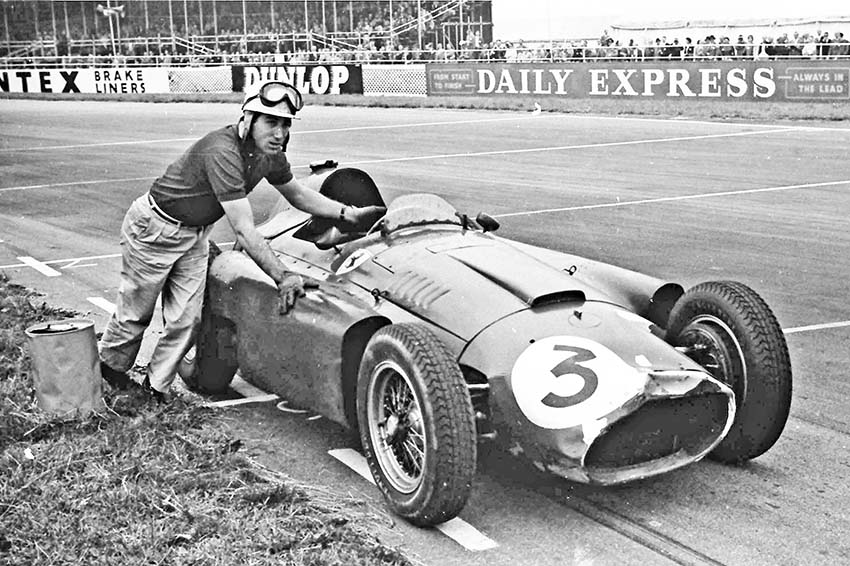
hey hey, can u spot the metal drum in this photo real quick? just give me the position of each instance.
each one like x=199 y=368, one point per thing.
x=65 y=366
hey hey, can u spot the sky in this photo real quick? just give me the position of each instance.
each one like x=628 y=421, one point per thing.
x=557 y=19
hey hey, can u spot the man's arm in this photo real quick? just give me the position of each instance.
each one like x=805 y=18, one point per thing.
x=317 y=204
x=241 y=218
x=308 y=200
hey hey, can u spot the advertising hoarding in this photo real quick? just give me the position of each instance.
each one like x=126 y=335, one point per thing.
x=131 y=80
x=309 y=79
x=697 y=80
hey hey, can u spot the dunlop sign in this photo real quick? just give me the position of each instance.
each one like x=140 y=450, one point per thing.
x=313 y=79
x=725 y=80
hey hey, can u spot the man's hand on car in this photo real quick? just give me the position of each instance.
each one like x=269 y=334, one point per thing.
x=365 y=216
x=289 y=290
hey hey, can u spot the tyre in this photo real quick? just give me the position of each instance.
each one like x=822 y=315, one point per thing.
x=210 y=365
x=416 y=424
x=728 y=329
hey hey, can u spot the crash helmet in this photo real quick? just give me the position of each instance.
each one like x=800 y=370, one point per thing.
x=273 y=97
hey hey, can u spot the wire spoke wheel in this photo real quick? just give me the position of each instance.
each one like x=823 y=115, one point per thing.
x=729 y=330
x=416 y=423
x=397 y=427
x=712 y=344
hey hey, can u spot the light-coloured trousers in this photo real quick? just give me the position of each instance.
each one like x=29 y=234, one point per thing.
x=158 y=258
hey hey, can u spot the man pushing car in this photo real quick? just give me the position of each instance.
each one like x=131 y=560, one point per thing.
x=164 y=236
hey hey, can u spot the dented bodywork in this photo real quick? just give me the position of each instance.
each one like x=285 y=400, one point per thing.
x=565 y=357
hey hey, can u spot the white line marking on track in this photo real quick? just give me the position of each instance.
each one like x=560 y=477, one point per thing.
x=548 y=116
x=55 y=261
x=100 y=144
x=298 y=133
x=39 y=266
x=355 y=461
x=568 y=147
x=243 y=401
x=466 y=535
x=824 y=326
x=246 y=389
x=684 y=120
x=456 y=529
x=512 y=118
x=282 y=406
x=108 y=306
x=451 y=156
x=87 y=258
x=675 y=199
x=76 y=263
x=73 y=260
x=74 y=183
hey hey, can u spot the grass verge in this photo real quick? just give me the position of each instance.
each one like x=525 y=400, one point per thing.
x=140 y=483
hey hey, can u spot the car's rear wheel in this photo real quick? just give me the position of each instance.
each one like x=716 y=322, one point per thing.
x=210 y=365
x=728 y=329
x=416 y=424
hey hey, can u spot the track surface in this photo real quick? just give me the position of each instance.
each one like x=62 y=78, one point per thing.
x=763 y=204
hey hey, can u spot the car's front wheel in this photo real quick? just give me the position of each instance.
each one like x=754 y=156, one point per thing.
x=728 y=329
x=416 y=424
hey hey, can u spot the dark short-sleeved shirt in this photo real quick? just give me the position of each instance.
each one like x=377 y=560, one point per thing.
x=215 y=169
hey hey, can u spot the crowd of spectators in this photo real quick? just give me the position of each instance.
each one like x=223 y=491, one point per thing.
x=266 y=27
x=365 y=33
x=819 y=45
x=159 y=51
x=798 y=46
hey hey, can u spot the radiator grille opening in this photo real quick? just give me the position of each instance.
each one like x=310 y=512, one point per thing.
x=660 y=428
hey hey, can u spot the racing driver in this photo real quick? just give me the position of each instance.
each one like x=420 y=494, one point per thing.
x=164 y=235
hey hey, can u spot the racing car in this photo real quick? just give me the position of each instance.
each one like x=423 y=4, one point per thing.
x=426 y=333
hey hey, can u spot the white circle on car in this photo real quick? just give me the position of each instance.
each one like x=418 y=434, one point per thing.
x=355 y=260
x=565 y=381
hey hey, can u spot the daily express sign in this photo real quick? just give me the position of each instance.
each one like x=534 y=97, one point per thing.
x=743 y=80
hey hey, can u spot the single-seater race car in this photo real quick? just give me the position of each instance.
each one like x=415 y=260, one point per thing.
x=426 y=332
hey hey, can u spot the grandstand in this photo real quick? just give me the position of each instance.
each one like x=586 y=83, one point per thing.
x=212 y=31
x=168 y=33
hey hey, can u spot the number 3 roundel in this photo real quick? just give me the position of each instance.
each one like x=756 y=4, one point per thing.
x=564 y=381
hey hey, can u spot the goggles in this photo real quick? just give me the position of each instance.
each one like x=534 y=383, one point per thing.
x=271 y=94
